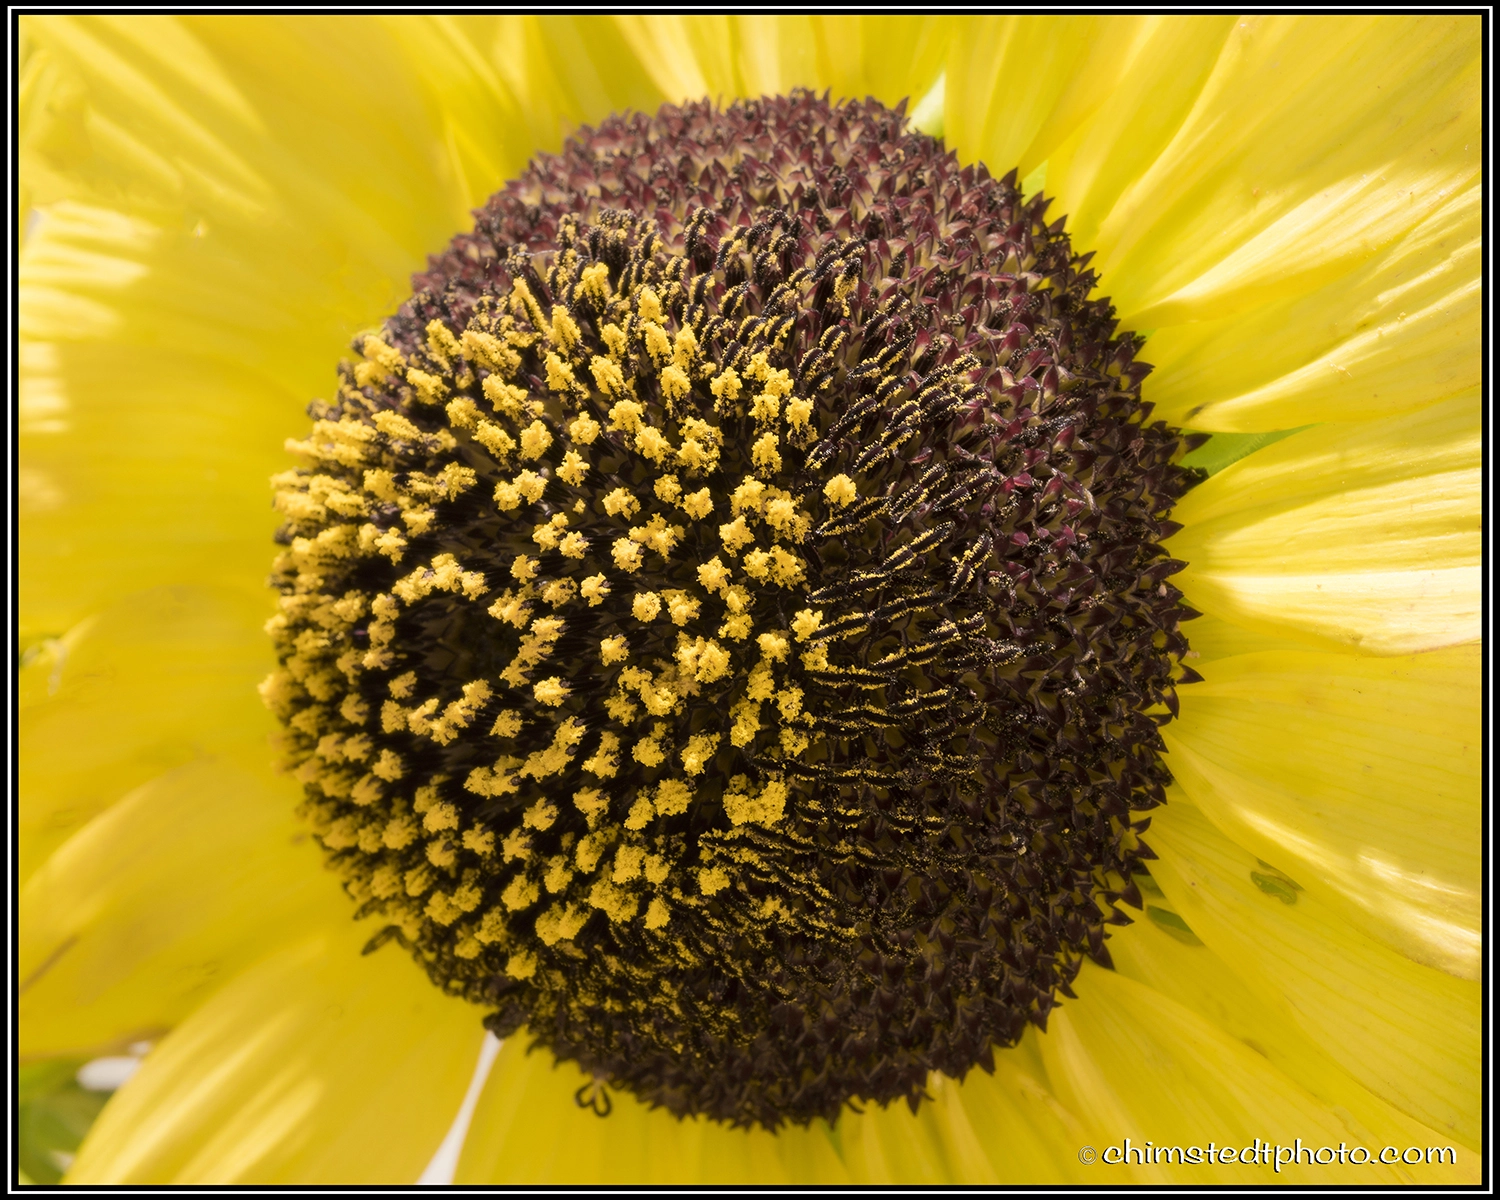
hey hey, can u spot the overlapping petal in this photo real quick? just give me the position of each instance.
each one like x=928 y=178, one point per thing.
x=1163 y=952
x=1409 y=1033
x=161 y=679
x=1007 y=1126
x=1293 y=208
x=1396 y=334
x=1365 y=535
x=315 y=1066
x=143 y=913
x=1372 y=806
x=220 y=205
x=1144 y=1067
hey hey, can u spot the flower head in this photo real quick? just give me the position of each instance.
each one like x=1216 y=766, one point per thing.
x=721 y=611
x=1285 y=216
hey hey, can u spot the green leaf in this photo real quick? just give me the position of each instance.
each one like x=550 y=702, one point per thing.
x=1222 y=449
x=53 y=1113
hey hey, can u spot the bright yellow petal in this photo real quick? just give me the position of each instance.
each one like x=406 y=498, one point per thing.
x=156 y=681
x=990 y=1129
x=528 y=1129
x=1212 y=638
x=891 y=58
x=1396 y=334
x=317 y=1066
x=144 y=484
x=694 y=56
x=494 y=75
x=1374 y=805
x=1365 y=535
x=1409 y=1033
x=509 y=86
x=222 y=204
x=1140 y=1065
x=145 y=911
x=1017 y=87
x=1148 y=101
x=1312 y=144
x=1161 y=952
x=234 y=128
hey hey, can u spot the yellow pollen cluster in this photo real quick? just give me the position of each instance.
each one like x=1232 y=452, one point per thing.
x=596 y=506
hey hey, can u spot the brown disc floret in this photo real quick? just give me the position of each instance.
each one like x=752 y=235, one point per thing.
x=723 y=624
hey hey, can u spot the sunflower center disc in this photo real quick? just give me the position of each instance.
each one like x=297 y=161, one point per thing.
x=722 y=623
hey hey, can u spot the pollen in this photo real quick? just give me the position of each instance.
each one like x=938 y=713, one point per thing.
x=840 y=490
x=645 y=606
x=722 y=621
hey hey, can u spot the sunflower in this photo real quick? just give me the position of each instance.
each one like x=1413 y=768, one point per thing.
x=1285 y=212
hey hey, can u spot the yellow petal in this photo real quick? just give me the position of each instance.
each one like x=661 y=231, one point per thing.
x=693 y=56
x=1365 y=535
x=1089 y=170
x=528 y=1129
x=1337 y=805
x=494 y=75
x=1017 y=87
x=1311 y=145
x=146 y=485
x=1409 y=1033
x=996 y=1128
x=892 y=58
x=1395 y=334
x=218 y=118
x=158 y=680
x=690 y=56
x=507 y=86
x=1212 y=638
x=1161 y=952
x=222 y=204
x=144 y=912
x=1003 y=1128
x=1139 y=1065
x=316 y=1066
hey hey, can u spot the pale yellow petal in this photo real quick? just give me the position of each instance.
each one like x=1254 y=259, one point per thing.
x=510 y=85
x=222 y=203
x=690 y=56
x=528 y=1129
x=1397 y=333
x=1212 y=638
x=1374 y=806
x=316 y=1066
x=1158 y=77
x=1409 y=1033
x=990 y=1129
x=1362 y=535
x=1019 y=86
x=1160 y=951
x=1312 y=144
x=1140 y=1065
x=1004 y=1128
x=147 y=910
x=37 y=77
x=158 y=680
